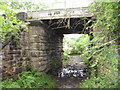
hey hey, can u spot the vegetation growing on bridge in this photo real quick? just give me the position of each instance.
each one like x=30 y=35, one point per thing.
x=11 y=26
x=104 y=63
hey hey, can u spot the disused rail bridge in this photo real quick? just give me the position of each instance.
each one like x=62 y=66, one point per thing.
x=41 y=45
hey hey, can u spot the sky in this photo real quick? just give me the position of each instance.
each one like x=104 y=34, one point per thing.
x=72 y=35
x=57 y=4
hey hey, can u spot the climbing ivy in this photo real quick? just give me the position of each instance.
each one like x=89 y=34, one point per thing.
x=102 y=56
x=106 y=25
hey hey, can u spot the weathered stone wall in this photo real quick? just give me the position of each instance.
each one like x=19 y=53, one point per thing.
x=39 y=47
x=12 y=61
x=45 y=47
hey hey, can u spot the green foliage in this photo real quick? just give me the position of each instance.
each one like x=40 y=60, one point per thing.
x=9 y=24
x=99 y=82
x=81 y=44
x=106 y=24
x=66 y=57
x=77 y=45
x=102 y=58
x=27 y=6
x=107 y=18
x=30 y=80
x=74 y=51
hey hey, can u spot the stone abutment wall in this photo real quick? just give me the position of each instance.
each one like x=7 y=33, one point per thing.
x=39 y=48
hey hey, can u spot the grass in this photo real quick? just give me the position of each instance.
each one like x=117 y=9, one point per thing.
x=99 y=82
x=30 y=80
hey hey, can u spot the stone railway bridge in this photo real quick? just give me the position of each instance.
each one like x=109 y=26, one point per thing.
x=41 y=46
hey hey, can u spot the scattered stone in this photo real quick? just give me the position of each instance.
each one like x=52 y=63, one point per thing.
x=70 y=71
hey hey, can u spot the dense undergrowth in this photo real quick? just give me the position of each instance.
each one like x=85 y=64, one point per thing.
x=30 y=79
x=104 y=71
x=99 y=82
x=102 y=58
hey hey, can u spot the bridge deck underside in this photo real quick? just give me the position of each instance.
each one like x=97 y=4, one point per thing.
x=66 y=26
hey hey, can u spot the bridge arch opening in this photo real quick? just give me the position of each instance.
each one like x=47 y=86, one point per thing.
x=73 y=46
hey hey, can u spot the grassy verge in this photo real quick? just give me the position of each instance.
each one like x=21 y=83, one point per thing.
x=30 y=80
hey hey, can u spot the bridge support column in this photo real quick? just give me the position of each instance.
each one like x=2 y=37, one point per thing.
x=45 y=47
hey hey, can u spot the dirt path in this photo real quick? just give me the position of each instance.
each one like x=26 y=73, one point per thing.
x=75 y=60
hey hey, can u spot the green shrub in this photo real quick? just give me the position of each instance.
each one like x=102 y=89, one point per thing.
x=9 y=23
x=30 y=80
x=66 y=57
x=99 y=82
x=105 y=63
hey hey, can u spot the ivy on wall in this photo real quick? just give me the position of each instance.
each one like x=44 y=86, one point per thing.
x=104 y=63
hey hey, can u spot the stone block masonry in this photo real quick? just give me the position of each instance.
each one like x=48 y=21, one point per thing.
x=40 y=48
x=44 y=46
